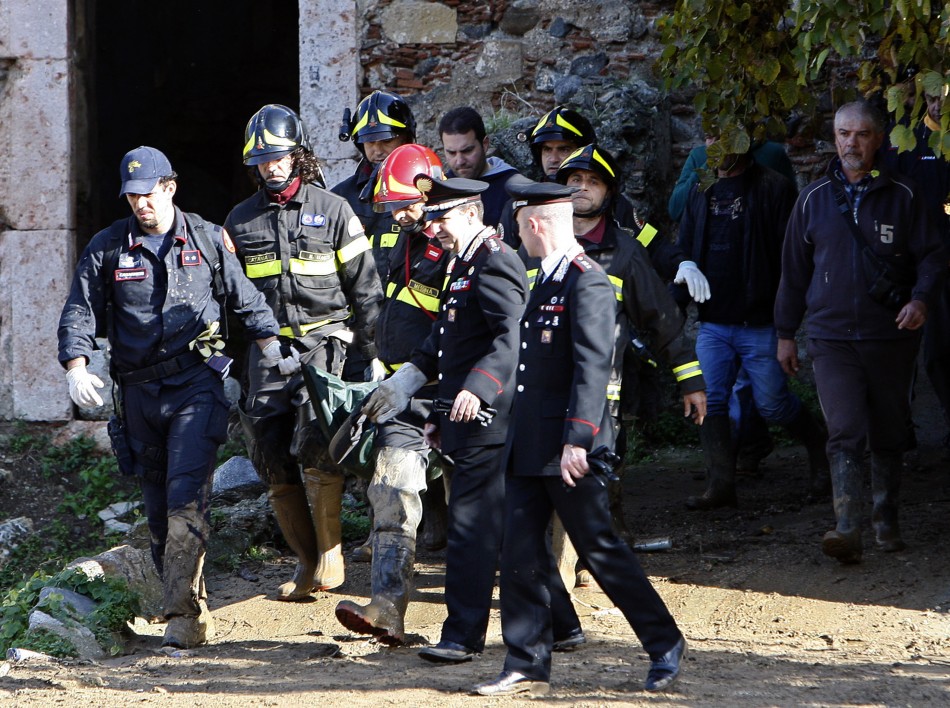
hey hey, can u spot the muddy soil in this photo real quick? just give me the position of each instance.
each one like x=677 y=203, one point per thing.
x=770 y=621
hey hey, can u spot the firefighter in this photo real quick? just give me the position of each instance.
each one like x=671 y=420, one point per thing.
x=305 y=250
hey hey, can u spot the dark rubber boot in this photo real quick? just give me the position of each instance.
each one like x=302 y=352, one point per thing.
x=433 y=535
x=844 y=542
x=384 y=616
x=814 y=436
x=719 y=449
x=885 y=488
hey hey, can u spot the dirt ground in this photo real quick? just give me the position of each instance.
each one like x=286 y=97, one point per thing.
x=770 y=621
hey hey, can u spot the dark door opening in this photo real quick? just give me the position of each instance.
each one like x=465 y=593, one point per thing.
x=184 y=77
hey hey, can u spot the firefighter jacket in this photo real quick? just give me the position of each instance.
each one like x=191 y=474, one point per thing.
x=644 y=308
x=379 y=228
x=564 y=365
x=311 y=261
x=158 y=303
x=412 y=296
x=474 y=343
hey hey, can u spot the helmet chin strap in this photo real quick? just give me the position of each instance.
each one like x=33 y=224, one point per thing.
x=278 y=187
x=415 y=227
x=593 y=214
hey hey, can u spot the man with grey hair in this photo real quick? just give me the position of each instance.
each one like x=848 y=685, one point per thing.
x=862 y=260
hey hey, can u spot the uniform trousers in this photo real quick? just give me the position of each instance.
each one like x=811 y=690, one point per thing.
x=174 y=432
x=476 y=523
x=527 y=568
x=864 y=390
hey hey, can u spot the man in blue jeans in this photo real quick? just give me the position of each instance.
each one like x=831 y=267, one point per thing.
x=734 y=232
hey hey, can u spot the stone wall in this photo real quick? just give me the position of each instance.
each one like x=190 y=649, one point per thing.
x=512 y=59
x=36 y=206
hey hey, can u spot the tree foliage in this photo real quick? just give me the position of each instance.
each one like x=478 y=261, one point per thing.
x=755 y=65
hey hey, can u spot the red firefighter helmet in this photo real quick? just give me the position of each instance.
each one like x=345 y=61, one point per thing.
x=395 y=188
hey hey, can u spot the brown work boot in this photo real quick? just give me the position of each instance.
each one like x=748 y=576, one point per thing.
x=844 y=542
x=289 y=502
x=325 y=494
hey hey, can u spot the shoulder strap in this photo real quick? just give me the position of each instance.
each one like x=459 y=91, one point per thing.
x=210 y=253
x=845 y=210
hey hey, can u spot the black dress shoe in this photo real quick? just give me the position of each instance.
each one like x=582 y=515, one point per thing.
x=446 y=652
x=570 y=642
x=509 y=683
x=665 y=668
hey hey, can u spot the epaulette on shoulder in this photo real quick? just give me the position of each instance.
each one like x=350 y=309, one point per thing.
x=582 y=261
x=494 y=245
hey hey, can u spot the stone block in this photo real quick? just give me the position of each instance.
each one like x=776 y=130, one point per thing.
x=416 y=22
x=133 y=566
x=35 y=273
x=12 y=532
x=35 y=130
x=38 y=30
x=236 y=479
x=329 y=69
x=80 y=637
x=520 y=17
x=607 y=20
x=501 y=62
x=75 y=604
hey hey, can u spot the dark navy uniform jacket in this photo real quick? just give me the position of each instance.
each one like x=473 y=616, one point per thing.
x=413 y=294
x=567 y=338
x=474 y=343
x=380 y=228
x=160 y=304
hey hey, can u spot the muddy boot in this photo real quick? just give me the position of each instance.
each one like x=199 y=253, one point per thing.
x=189 y=621
x=383 y=617
x=844 y=542
x=325 y=494
x=289 y=502
x=364 y=552
x=435 y=516
x=885 y=487
x=565 y=557
x=814 y=436
x=716 y=437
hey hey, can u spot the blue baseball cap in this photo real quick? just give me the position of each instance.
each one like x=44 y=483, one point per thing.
x=141 y=169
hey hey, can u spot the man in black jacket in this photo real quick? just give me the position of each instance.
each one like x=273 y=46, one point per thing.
x=560 y=415
x=472 y=351
x=863 y=330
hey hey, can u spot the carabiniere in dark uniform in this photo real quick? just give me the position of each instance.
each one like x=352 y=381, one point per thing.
x=567 y=338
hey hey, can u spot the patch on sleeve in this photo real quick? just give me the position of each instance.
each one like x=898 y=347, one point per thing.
x=354 y=226
x=226 y=238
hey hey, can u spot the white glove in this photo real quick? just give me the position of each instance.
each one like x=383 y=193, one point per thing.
x=285 y=358
x=696 y=282
x=82 y=387
x=392 y=395
x=375 y=371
